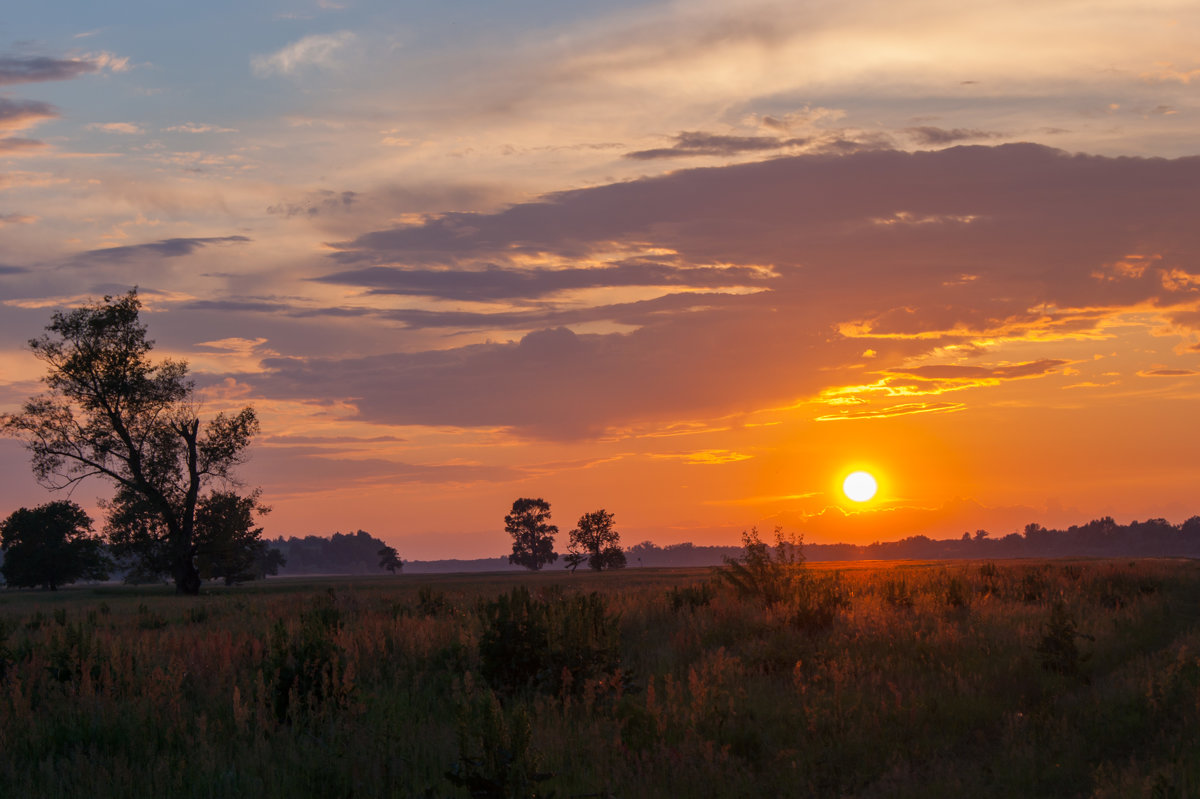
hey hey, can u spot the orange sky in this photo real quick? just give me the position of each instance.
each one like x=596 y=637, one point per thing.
x=687 y=267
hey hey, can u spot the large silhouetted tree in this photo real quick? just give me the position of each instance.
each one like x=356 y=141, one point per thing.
x=596 y=542
x=51 y=545
x=533 y=535
x=111 y=412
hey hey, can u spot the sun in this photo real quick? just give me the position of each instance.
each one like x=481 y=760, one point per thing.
x=859 y=486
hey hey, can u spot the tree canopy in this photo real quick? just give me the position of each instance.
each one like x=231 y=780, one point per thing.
x=595 y=542
x=51 y=545
x=109 y=411
x=533 y=534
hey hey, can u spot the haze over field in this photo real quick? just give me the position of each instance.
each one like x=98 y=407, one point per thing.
x=687 y=263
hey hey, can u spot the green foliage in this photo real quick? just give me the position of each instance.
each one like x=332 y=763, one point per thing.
x=731 y=697
x=307 y=664
x=533 y=535
x=496 y=758
x=547 y=645
x=51 y=545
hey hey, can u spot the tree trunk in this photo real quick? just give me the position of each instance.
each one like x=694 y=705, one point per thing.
x=187 y=578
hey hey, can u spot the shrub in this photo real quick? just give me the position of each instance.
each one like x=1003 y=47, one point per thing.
x=1058 y=650
x=547 y=645
x=694 y=595
x=307 y=664
x=762 y=575
x=495 y=756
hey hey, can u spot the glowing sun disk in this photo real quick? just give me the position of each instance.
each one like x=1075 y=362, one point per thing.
x=859 y=486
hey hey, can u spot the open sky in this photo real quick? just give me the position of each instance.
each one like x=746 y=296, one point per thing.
x=690 y=262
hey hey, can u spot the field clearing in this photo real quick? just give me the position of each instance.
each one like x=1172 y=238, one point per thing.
x=1026 y=678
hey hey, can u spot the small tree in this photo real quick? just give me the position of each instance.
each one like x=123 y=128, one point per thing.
x=389 y=559
x=533 y=534
x=51 y=545
x=110 y=412
x=595 y=541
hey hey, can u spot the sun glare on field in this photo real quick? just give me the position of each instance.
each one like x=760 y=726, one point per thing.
x=859 y=486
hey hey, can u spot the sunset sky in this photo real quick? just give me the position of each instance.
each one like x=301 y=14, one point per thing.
x=688 y=262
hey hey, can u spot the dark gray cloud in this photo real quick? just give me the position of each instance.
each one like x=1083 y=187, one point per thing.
x=164 y=248
x=499 y=283
x=320 y=202
x=14 y=144
x=5 y=269
x=19 y=114
x=928 y=135
x=893 y=251
x=696 y=142
x=35 y=69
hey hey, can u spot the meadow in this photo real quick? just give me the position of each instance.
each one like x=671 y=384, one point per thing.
x=1020 y=678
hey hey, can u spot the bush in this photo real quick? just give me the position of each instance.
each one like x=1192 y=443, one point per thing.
x=1058 y=649
x=308 y=664
x=762 y=575
x=547 y=645
x=695 y=595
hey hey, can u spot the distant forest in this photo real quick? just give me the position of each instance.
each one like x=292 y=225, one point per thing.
x=359 y=552
x=1101 y=538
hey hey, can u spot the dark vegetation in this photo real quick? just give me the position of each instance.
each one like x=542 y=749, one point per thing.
x=112 y=413
x=768 y=677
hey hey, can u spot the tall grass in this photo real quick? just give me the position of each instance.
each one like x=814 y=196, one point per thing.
x=1014 y=679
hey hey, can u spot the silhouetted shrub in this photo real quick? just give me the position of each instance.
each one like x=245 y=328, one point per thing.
x=1058 y=649
x=897 y=593
x=694 y=595
x=307 y=663
x=547 y=645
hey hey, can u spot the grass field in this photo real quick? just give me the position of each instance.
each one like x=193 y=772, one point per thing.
x=1050 y=678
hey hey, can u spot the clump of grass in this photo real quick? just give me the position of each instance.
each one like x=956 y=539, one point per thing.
x=307 y=664
x=692 y=596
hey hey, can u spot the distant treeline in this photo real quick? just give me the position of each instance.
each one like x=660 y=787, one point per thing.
x=358 y=552
x=340 y=553
x=1102 y=538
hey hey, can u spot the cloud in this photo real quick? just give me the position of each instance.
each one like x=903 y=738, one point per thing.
x=1168 y=373
x=978 y=373
x=126 y=128
x=34 y=69
x=22 y=114
x=323 y=201
x=931 y=136
x=985 y=247
x=5 y=269
x=196 y=127
x=498 y=283
x=12 y=144
x=903 y=409
x=693 y=143
x=317 y=51
x=166 y=248
x=16 y=219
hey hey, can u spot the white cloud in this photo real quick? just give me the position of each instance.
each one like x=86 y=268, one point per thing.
x=315 y=51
